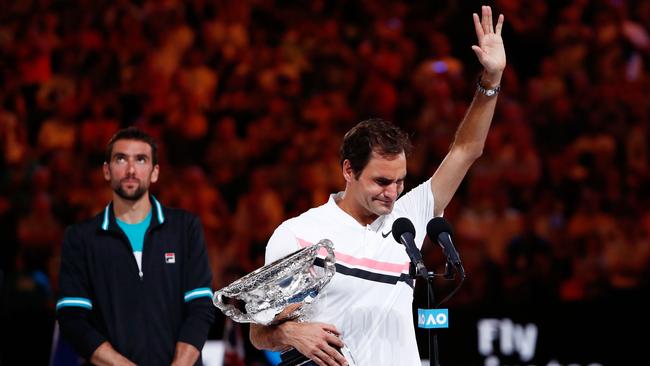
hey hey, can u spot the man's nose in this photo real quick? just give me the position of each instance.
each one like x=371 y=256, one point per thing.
x=131 y=167
x=391 y=191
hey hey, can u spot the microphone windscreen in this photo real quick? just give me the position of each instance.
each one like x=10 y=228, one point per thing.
x=401 y=226
x=438 y=225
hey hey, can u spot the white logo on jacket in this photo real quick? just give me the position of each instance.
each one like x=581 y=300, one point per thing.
x=170 y=257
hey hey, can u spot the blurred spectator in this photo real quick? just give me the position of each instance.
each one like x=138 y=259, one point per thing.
x=13 y=134
x=39 y=234
x=250 y=98
x=529 y=275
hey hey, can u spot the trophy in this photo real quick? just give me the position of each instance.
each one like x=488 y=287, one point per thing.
x=281 y=291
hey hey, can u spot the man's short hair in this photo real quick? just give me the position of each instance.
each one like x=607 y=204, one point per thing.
x=372 y=135
x=132 y=133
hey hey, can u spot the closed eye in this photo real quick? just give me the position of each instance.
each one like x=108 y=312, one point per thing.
x=386 y=182
x=383 y=182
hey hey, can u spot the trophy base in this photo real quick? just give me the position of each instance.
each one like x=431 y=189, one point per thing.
x=292 y=357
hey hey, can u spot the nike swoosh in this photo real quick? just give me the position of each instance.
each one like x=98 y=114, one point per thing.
x=386 y=235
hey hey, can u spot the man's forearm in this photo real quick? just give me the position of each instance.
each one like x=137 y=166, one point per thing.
x=269 y=337
x=106 y=355
x=473 y=129
x=186 y=354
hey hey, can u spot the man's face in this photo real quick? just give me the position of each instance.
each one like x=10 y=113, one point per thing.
x=379 y=185
x=130 y=170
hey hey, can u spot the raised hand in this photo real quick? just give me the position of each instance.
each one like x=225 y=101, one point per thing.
x=490 y=50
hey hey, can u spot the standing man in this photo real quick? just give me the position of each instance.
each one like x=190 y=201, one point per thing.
x=367 y=304
x=135 y=279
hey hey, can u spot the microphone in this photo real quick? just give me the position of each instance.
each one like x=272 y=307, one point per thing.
x=404 y=232
x=438 y=228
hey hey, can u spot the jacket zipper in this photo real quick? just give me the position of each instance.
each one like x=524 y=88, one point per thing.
x=144 y=247
x=125 y=240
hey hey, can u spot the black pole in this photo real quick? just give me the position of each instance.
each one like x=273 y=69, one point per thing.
x=433 y=334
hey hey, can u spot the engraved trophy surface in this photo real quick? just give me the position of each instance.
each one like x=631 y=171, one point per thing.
x=281 y=291
x=290 y=281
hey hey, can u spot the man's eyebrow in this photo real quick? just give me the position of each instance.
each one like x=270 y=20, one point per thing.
x=122 y=155
x=384 y=180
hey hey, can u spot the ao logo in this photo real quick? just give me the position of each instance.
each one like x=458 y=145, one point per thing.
x=433 y=318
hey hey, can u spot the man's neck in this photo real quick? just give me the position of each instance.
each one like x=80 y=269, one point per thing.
x=131 y=212
x=356 y=211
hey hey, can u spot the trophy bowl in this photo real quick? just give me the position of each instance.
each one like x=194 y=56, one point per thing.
x=279 y=290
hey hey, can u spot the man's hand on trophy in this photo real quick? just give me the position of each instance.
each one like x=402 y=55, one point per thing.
x=317 y=341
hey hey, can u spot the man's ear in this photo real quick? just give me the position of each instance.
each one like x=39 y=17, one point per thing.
x=154 y=173
x=107 y=171
x=348 y=172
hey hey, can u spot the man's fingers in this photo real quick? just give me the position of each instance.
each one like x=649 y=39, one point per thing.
x=478 y=27
x=318 y=341
x=499 y=24
x=318 y=360
x=478 y=51
x=490 y=24
x=335 y=357
x=334 y=340
x=485 y=20
x=328 y=357
x=330 y=328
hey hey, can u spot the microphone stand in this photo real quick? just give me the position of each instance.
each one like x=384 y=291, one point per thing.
x=432 y=332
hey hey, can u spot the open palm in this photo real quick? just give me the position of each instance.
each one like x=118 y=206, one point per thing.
x=490 y=50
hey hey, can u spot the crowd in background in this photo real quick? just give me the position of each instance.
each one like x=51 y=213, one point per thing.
x=250 y=99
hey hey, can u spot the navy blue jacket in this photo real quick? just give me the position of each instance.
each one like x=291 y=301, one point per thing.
x=104 y=296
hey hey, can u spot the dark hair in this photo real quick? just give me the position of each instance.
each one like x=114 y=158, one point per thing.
x=377 y=135
x=132 y=133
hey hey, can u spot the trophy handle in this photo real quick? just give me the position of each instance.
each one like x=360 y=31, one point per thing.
x=264 y=317
x=229 y=310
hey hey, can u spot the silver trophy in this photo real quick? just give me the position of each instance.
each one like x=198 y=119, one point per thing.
x=281 y=291
x=288 y=283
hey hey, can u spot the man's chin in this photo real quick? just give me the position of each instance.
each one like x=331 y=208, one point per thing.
x=383 y=210
x=132 y=196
